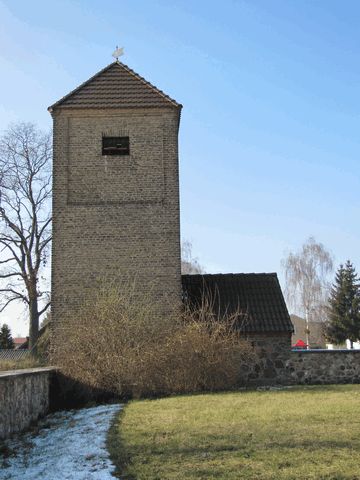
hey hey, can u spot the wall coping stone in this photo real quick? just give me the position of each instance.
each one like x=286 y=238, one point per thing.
x=25 y=371
x=325 y=350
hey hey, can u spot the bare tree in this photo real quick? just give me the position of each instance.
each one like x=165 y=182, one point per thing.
x=306 y=276
x=25 y=218
x=189 y=264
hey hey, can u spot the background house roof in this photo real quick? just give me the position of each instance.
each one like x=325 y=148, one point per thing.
x=116 y=86
x=19 y=342
x=258 y=295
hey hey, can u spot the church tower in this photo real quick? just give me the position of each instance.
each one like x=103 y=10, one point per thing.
x=115 y=189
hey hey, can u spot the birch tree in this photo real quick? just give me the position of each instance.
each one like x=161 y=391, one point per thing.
x=306 y=276
x=25 y=219
x=189 y=264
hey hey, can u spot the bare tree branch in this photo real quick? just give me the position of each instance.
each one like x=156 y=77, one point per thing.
x=2 y=262
x=8 y=275
x=45 y=308
x=13 y=299
x=14 y=292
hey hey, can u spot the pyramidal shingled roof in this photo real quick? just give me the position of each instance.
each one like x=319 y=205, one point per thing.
x=116 y=86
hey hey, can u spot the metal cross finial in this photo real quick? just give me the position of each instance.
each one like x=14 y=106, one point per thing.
x=118 y=52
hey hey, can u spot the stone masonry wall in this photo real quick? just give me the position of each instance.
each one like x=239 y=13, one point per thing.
x=276 y=364
x=115 y=217
x=268 y=365
x=323 y=366
x=24 y=397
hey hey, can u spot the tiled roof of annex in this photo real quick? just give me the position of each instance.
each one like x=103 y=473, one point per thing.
x=257 y=296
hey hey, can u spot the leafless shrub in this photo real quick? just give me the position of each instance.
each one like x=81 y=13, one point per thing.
x=118 y=343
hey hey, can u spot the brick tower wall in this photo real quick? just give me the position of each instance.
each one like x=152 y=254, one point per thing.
x=115 y=217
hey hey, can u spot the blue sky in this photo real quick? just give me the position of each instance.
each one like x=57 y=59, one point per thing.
x=269 y=138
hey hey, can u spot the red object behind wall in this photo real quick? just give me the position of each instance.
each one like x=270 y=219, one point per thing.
x=300 y=344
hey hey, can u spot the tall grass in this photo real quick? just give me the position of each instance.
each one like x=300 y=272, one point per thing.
x=27 y=362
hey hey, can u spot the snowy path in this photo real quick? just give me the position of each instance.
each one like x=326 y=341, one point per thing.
x=69 y=445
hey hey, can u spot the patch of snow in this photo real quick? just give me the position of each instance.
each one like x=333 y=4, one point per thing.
x=266 y=388
x=68 y=445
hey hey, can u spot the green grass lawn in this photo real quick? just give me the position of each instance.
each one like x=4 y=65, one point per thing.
x=298 y=433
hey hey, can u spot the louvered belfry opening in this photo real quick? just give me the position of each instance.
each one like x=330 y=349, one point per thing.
x=115 y=146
